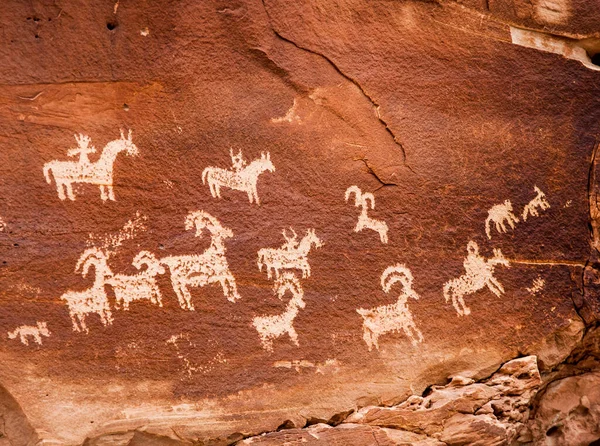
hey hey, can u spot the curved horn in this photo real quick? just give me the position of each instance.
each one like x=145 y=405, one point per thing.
x=396 y=273
x=366 y=198
x=356 y=190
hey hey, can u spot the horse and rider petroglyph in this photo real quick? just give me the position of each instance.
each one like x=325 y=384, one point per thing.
x=198 y=270
x=479 y=273
x=395 y=317
x=364 y=201
x=100 y=172
x=539 y=201
x=243 y=177
x=499 y=214
x=291 y=255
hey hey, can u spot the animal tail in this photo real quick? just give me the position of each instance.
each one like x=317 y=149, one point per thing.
x=205 y=173
x=47 y=168
x=447 y=288
x=12 y=334
x=487 y=227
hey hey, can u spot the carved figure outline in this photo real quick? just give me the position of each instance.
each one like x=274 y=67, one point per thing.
x=99 y=172
x=394 y=317
x=364 y=200
x=34 y=331
x=479 y=273
x=242 y=177
x=539 y=201
x=499 y=214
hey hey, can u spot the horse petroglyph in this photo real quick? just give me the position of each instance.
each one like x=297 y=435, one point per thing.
x=243 y=177
x=364 y=201
x=272 y=327
x=538 y=202
x=100 y=172
x=479 y=273
x=198 y=270
x=93 y=300
x=394 y=317
x=35 y=331
x=499 y=214
x=292 y=254
x=141 y=286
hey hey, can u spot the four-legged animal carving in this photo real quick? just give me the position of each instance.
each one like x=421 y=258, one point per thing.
x=272 y=327
x=94 y=299
x=99 y=172
x=538 y=202
x=139 y=286
x=499 y=214
x=198 y=270
x=479 y=273
x=394 y=317
x=243 y=177
x=35 y=331
x=363 y=200
x=292 y=255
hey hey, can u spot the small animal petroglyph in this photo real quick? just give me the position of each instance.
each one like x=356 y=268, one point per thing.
x=479 y=273
x=394 y=317
x=292 y=254
x=93 y=300
x=499 y=214
x=35 y=331
x=538 y=202
x=537 y=285
x=141 y=286
x=100 y=172
x=198 y=270
x=272 y=327
x=243 y=177
x=363 y=200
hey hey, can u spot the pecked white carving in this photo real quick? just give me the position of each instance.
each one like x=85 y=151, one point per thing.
x=394 y=317
x=141 y=286
x=243 y=177
x=363 y=200
x=537 y=285
x=479 y=273
x=100 y=172
x=198 y=270
x=539 y=201
x=291 y=255
x=93 y=300
x=34 y=331
x=499 y=214
x=272 y=327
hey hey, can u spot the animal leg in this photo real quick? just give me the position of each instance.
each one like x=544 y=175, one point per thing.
x=60 y=190
x=81 y=318
x=111 y=193
x=24 y=340
x=188 y=297
x=103 y=195
x=466 y=310
x=70 y=193
x=293 y=335
x=232 y=292
x=383 y=235
x=156 y=295
x=75 y=323
x=495 y=286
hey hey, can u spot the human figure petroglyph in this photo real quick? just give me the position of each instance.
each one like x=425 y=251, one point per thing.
x=539 y=201
x=34 y=331
x=499 y=214
x=479 y=273
x=100 y=172
x=93 y=300
x=364 y=200
x=140 y=286
x=394 y=317
x=272 y=327
x=198 y=270
x=292 y=254
x=243 y=177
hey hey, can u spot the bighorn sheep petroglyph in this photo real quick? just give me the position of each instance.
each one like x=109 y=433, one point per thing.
x=364 y=200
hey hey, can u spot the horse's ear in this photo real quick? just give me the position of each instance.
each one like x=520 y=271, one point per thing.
x=129 y=135
x=268 y=156
x=122 y=135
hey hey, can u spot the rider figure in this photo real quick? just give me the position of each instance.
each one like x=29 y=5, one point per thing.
x=82 y=150
x=237 y=161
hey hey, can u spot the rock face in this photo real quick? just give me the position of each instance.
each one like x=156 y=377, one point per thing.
x=325 y=222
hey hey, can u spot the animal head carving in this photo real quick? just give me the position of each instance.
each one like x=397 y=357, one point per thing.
x=397 y=273
x=130 y=147
x=92 y=257
x=312 y=237
x=202 y=220
x=357 y=193
x=266 y=160
x=508 y=205
x=150 y=260
x=473 y=248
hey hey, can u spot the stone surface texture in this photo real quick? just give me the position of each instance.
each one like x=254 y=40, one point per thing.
x=323 y=222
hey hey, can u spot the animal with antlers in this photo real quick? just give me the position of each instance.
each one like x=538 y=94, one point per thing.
x=292 y=255
x=479 y=273
x=198 y=270
x=364 y=200
x=93 y=300
x=272 y=327
x=141 y=286
x=538 y=202
x=499 y=214
x=34 y=331
x=100 y=172
x=394 y=317
x=243 y=177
